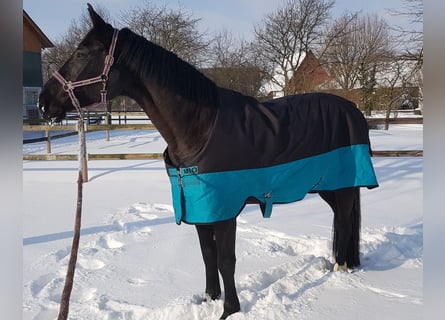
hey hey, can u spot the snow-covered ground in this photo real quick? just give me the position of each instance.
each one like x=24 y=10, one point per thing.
x=136 y=263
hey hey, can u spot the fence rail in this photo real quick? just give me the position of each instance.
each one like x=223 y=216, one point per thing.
x=94 y=156
x=153 y=156
x=142 y=156
x=91 y=127
x=403 y=120
x=149 y=126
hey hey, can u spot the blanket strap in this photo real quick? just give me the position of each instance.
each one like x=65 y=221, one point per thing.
x=177 y=193
x=266 y=205
x=177 y=184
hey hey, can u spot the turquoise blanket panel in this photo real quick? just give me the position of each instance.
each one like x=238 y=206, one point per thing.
x=218 y=196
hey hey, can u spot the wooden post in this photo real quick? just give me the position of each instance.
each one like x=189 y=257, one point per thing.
x=82 y=177
x=107 y=132
x=48 y=141
x=108 y=117
x=69 y=278
x=83 y=163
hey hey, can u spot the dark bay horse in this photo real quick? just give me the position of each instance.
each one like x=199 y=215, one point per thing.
x=225 y=149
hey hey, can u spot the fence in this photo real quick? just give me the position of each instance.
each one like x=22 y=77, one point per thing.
x=141 y=156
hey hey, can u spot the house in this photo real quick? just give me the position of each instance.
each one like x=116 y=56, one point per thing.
x=312 y=76
x=34 y=40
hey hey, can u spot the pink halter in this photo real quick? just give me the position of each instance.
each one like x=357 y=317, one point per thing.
x=69 y=86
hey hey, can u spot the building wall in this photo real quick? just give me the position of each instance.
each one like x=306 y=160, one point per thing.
x=31 y=41
x=32 y=60
x=32 y=69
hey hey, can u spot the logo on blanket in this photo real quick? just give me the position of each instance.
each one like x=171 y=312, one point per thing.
x=189 y=171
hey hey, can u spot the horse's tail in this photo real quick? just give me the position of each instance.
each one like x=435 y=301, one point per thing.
x=353 y=252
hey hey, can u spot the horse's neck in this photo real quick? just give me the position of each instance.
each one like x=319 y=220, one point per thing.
x=184 y=125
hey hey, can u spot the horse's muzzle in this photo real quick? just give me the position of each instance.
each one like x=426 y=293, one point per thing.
x=51 y=114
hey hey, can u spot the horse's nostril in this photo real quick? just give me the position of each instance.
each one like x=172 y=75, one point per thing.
x=42 y=109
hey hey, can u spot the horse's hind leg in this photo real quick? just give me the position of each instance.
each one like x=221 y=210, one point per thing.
x=225 y=235
x=346 y=239
x=207 y=242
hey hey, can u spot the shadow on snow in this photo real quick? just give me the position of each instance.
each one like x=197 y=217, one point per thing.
x=93 y=230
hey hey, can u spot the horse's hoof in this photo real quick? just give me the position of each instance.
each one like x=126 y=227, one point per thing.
x=228 y=312
x=210 y=297
x=342 y=267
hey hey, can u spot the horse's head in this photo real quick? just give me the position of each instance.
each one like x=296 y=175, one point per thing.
x=86 y=63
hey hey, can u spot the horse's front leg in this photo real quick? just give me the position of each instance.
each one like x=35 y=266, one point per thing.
x=225 y=235
x=207 y=242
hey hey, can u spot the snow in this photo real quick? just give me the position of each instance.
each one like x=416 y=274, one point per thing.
x=135 y=263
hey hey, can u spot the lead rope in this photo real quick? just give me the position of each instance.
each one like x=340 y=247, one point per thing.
x=69 y=87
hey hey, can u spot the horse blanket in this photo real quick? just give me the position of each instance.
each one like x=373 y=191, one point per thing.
x=272 y=152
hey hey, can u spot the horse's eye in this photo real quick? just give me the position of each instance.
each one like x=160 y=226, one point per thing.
x=81 y=54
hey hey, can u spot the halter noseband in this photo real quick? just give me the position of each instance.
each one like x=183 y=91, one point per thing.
x=69 y=86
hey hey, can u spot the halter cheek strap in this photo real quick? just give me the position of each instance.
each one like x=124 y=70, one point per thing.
x=69 y=86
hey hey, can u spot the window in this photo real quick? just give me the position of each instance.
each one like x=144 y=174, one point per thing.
x=31 y=113
x=31 y=95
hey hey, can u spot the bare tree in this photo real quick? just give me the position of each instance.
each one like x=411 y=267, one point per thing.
x=173 y=29
x=225 y=50
x=356 y=46
x=412 y=38
x=233 y=65
x=53 y=58
x=284 y=36
x=396 y=83
x=411 y=34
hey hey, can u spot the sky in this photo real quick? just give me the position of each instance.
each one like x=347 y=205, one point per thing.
x=237 y=16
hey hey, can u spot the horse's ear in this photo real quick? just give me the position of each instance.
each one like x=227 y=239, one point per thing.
x=97 y=20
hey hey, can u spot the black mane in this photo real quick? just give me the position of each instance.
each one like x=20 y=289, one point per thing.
x=149 y=60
